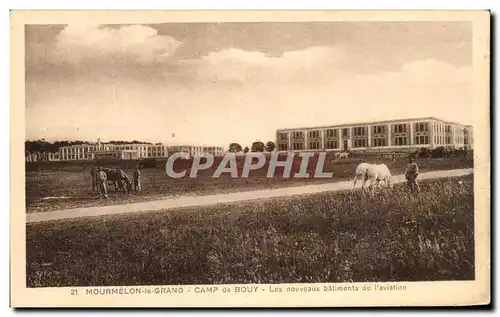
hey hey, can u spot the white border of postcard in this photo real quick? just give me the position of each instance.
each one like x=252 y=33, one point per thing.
x=402 y=294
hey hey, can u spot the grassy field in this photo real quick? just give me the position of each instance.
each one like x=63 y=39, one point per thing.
x=337 y=237
x=72 y=179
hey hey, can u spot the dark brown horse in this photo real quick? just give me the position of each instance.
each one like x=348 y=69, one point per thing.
x=114 y=175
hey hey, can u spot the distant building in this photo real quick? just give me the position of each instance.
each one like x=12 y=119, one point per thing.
x=193 y=150
x=134 y=151
x=400 y=135
x=42 y=156
x=108 y=150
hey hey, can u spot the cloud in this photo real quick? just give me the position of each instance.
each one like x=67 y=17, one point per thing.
x=89 y=44
x=320 y=66
x=434 y=72
x=236 y=65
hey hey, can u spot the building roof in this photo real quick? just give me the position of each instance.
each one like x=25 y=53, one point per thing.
x=371 y=122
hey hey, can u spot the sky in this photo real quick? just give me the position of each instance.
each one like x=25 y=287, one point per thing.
x=216 y=83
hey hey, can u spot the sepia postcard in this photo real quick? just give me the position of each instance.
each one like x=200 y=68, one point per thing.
x=250 y=158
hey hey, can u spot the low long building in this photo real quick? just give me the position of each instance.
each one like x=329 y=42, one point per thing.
x=109 y=150
x=133 y=151
x=42 y=156
x=194 y=150
x=391 y=135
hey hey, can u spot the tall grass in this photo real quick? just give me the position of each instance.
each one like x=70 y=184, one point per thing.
x=339 y=237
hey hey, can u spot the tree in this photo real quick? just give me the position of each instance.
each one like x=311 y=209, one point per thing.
x=258 y=146
x=234 y=147
x=246 y=149
x=270 y=146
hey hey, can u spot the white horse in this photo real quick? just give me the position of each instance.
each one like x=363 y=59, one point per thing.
x=379 y=172
x=361 y=172
x=343 y=155
x=375 y=173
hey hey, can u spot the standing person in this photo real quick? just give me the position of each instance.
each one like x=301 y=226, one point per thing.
x=411 y=174
x=137 y=179
x=429 y=155
x=102 y=177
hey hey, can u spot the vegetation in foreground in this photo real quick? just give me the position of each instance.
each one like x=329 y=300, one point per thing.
x=337 y=237
x=72 y=180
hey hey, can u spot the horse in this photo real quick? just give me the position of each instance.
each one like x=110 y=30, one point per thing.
x=373 y=172
x=377 y=173
x=361 y=173
x=118 y=177
x=115 y=176
x=343 y=155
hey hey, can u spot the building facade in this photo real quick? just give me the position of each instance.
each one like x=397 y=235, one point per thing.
x=393 y=135
x=115 y=151
x=42 y=156
x=120 y=151
x=193 y=150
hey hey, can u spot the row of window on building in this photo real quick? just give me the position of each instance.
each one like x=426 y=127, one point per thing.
x=335 y=138
x=194 y=150
x=93 y=151
x=356 y=131
x=356 y=142
x=88 y=151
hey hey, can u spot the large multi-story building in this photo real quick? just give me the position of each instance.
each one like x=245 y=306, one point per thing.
x=391 y=135
x=121 y=151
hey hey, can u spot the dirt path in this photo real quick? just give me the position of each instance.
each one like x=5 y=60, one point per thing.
x=185 y=201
